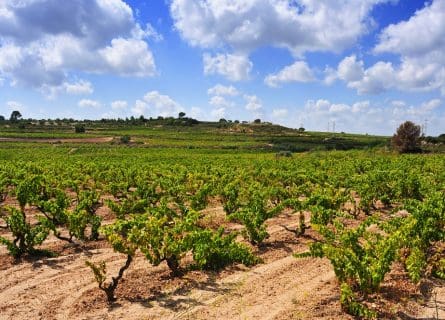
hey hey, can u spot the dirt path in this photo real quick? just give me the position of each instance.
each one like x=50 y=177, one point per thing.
x=282 y=287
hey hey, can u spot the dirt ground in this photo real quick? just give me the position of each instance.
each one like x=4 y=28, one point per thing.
x=282 y=287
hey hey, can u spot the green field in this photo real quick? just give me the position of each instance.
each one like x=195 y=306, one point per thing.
x=159 y=185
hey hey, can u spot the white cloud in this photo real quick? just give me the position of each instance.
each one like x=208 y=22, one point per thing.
x=378 y=78
x=411 y=75
x=220 y=90
x=420 y=42
x=80 y=87
x=421 y=35
x=140 y=108
x=364 y=116
x=244 y=25
x=87 y=103
x=220 y=102
x=218 y=113
x=129 y=57
x=196 y=113
x=119 y=105
x=349 y=69
x=280 y=113
x=253 y=103
x=43 y=42
x=330 y=75
x=297 y=72
x=157 y=104
x=231 y=66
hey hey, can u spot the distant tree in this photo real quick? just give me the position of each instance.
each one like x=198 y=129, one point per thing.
x=407 y=138
x=181 y=114
x=301 y=129
x=2 y=118
x=257 y=121
x=222 y=120
x=15 y=115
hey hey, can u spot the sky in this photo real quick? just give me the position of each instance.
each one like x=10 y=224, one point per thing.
x=362 y=66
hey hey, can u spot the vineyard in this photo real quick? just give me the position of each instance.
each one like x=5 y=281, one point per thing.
x=95 y=231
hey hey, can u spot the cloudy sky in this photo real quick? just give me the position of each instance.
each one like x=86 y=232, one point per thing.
x=366 y=65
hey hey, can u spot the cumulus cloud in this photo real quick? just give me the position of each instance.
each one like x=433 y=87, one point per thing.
x=231 y=66
x=87 y=103
x=297 y=72
x=220 y=90
x=253 y=103
x=220 y=102
x=300 y=26
x=140 y=108
x=420 y=43
x=364 y=116
x=43 y=42
x=410 y=75
x=119 y=105
x=422 y=35
x=80 y=87
x=155 y=103
x=349 y=69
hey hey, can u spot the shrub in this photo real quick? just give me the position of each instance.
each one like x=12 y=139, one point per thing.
x=79 y=128
x=125 y=139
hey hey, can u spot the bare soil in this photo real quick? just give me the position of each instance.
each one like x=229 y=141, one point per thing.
x=282 y=287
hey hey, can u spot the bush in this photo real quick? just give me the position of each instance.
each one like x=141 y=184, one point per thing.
x=213 y=251
x=79 y=128
x=407 y=138
x=125 y=139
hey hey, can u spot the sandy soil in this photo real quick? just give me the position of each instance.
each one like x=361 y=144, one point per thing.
x=282 y=287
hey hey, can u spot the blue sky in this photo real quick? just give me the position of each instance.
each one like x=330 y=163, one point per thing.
x=365 y=65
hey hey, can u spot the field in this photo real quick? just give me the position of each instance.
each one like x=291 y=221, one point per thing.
x=218 y=222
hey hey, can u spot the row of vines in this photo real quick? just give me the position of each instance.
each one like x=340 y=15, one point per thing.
x=370 y=210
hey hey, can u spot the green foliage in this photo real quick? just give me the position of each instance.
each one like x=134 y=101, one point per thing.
x=350 y=305
x=212 y=250
x=125 y=139
x=79 y=128
x=163 y=235
x=253 y=216
x=25 y=235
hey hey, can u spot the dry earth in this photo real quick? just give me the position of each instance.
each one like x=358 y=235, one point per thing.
x=282 y=287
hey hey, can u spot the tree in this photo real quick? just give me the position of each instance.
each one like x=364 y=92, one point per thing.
x=257 y=121
x=407 y=138
x=181 y=114
x=15 y=115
